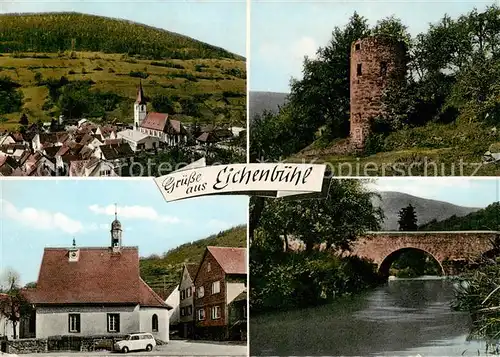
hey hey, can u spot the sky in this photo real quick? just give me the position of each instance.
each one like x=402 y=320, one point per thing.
x=283 y=32
x=49 y=213
x=219 y=23
x=462 y=191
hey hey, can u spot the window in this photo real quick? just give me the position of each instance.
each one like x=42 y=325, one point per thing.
x=383 y=68
x=135 y=338
x=154 y=323
x=216 y=287
x=189 y=311
x=215 y=312
x=189 y=292
x=74 y=323
x=183 y=311
x=358 y=46
x=244 y=311
x=113 y=322
x=201 y=314
x=183 y=294
x=201 y=292
x=359 y=69
x=208 y=267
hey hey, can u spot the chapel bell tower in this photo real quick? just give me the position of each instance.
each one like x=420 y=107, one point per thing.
x=116 y=233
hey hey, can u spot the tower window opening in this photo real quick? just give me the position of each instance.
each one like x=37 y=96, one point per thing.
x=383 y=68
x=359 y=69
x=357 y=46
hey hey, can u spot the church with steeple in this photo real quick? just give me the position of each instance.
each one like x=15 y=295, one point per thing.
x=95 y=291
x=170 y=131
x=140 y=107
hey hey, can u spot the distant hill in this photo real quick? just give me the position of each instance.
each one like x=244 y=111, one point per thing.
x=426 y=209
x=196 y=80
x=163 y=273
x=265 y=101
x=53 y=32
x=485 y=219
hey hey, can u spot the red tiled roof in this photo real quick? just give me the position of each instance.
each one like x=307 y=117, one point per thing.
x=112 y=141
x=99 y=276
x=207 y=138
x=155 y=121
x=17 y=136
x=231 y=260
x=116 y=151
x=53 y=138
x=192 y=269
x=176 y=127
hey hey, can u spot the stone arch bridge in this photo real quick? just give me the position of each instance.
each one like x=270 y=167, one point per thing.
x=452 y=250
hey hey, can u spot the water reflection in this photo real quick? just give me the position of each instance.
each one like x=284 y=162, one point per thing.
x=405 y=317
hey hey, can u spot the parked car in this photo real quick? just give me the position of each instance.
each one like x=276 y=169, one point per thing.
x=135 y=342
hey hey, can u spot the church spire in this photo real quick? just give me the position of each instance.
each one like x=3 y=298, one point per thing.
x=141 y=99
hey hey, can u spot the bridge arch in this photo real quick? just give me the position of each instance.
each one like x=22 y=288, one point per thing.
x=387 y=261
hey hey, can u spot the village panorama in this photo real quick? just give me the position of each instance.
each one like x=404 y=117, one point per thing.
x=96 y=299
x=82 y=147
x=92 y=95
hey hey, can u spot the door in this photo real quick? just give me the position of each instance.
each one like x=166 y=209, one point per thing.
x=135 y=343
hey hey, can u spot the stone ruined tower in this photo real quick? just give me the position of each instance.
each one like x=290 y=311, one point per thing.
x=373 y=60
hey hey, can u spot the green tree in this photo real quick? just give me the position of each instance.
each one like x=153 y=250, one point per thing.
x=321 y=97
x=12 y=97
x=162 y=103
x=38 y=78
x=24 y=119
x=407 y=219
x=15 y=306
x=337 y=220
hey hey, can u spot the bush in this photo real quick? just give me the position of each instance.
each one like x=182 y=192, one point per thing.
x=138 y=74
x=296 y=279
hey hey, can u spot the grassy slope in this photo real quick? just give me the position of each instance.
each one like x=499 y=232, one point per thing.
x=441 y=146
x=208 y=66
x=161 y=273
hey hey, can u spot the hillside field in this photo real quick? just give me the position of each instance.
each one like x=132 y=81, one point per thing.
x=114 y=56
x=162 y=273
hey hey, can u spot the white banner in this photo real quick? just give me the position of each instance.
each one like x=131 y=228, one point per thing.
x=274 y=180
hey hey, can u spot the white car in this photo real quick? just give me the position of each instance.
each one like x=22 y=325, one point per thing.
x=135 y=342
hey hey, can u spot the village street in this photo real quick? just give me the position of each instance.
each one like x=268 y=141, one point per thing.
x=173 y=348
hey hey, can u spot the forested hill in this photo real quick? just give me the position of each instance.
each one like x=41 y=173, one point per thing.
x=163 y=273
x=425 y=209
x=53 y=32
x=484 y=219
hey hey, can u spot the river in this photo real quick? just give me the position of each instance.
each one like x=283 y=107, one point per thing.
x=404 y=317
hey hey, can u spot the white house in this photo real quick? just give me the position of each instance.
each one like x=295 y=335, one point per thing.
x=173 y=300
x=96 y=291
x=139 y=141
x=6 y=327
x=93 y=167
x=236 y=130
